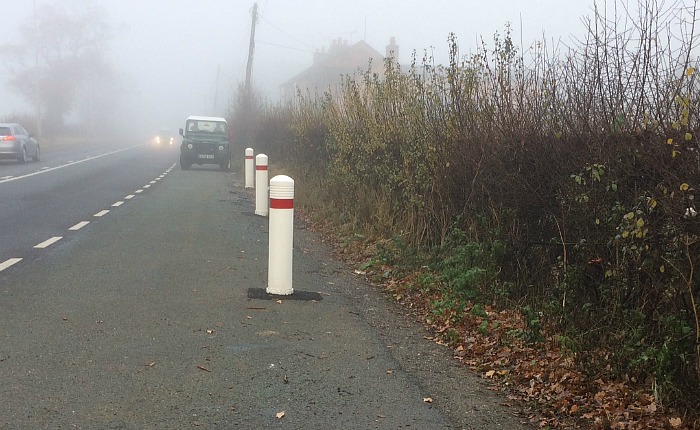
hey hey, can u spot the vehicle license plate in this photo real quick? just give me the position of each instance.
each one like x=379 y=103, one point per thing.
x=206 y=156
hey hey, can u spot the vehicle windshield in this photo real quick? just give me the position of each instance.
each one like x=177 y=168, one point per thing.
x=214 y=127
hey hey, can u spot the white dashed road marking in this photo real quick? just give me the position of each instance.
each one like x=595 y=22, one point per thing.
x=4 y=265
x=45 y=244
x=79 y=225
x=49 y=242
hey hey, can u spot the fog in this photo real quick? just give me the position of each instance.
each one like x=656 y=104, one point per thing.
x=180 y=57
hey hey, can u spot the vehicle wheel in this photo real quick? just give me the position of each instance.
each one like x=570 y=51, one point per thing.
x=36 y=156
x=184 y=165
x=23 y=156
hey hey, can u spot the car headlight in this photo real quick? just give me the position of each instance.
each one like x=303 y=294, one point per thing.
x=157 y=139
x=171 y=140
x=189 y=146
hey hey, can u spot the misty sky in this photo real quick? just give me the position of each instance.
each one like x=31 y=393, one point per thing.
x=171 y=51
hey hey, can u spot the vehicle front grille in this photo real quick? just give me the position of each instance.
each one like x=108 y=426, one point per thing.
x=205 y=147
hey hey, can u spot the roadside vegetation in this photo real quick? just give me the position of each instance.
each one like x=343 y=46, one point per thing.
x=534 y=206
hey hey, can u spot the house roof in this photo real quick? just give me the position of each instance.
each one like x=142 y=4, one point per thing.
x=339 y=60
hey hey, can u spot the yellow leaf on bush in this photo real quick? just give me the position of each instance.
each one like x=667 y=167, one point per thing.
x=688 y=137
x=669 y=141
x=675 y=422
x=690 y=71
x=684 y=186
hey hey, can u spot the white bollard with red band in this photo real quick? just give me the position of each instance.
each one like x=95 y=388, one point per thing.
x=279 y=278
x=249 y=168
x=261 y=190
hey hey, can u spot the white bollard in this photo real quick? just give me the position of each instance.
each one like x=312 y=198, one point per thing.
x=279 y=278
x=249 y=168
x=261 y=191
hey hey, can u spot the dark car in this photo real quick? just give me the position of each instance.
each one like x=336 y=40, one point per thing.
x=17 y=144
x=205 y=141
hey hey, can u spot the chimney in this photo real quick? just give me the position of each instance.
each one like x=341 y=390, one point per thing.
x=392 y=50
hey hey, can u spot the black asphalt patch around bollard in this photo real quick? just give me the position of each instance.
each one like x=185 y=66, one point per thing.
x=306 y=296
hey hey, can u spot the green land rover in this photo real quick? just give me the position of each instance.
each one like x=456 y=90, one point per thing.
x=205 y=141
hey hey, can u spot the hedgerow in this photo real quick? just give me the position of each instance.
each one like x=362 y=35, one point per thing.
x=570 y=172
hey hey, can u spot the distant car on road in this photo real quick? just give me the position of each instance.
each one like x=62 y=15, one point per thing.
x=205 y=141
x=17 y=144
x=164 y=138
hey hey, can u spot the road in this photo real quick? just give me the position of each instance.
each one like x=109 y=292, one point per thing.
x=132 y=297
x=69 y=185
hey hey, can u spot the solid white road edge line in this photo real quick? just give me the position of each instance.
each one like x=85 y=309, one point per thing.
x=70 y=163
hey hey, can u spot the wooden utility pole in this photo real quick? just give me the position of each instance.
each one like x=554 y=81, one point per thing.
x=251 y=48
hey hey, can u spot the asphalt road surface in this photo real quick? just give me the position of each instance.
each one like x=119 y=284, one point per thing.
x=132 y=297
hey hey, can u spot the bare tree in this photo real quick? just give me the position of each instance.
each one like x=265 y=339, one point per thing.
x=62 y=50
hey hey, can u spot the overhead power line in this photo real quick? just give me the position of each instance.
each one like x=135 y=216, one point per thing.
x=291 y=37
x=284 y=46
